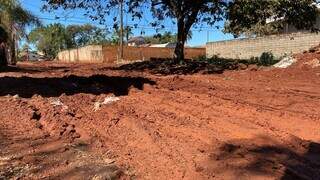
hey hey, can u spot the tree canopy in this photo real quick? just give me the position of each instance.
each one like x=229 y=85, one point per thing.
x=14 y=16
x=53 y=38
x=261 y=17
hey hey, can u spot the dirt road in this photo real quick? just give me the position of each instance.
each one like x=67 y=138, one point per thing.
x=246 y=124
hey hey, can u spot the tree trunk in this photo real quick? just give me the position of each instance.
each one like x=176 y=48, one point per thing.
x=181 y=39
x=12 y=56
x=3 y=55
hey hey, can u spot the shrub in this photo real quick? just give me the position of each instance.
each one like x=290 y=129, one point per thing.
x=267 y=59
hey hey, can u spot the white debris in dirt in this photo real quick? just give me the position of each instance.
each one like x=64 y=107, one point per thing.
x=96 y=106
x=107 y=100
x=16 y=96
x=57 y=102
x=285 y=62
x=110 y=100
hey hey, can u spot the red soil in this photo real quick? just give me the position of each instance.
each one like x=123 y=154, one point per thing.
x=237 y=125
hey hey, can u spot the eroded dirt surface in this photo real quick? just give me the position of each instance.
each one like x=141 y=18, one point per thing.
x=246 y=124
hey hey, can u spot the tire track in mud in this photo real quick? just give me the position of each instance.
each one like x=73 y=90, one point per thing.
x=267 y=110
x=172 y=104
x=172 y=131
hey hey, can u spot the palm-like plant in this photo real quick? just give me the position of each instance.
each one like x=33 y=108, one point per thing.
x=13 y=21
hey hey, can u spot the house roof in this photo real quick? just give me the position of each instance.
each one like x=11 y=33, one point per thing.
x=163 y=45
x=137 y=40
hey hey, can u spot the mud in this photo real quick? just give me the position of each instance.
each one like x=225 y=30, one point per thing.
x=242 y=124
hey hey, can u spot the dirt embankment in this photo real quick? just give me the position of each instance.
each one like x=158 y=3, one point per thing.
x=55 y=122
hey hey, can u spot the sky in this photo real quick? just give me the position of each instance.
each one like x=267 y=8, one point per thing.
x=199 y=36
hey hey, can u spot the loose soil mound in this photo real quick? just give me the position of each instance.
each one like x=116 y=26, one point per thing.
x=234 y=125
x=169 y=67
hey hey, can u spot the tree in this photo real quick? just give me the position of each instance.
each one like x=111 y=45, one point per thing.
x=82 y=35
x=14 y=19
x=115 y=37
x=3 y=41
x=24 y=49
x=49 y=39
x=53 y=38
x=262 y=17
x=166 y=37
x=184 y=12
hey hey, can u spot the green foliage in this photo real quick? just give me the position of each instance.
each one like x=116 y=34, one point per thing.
x=12 y=13
x=53 y=38
x=267 y=59
x=166 y=37
x=82 y=35
x=14 y=20
x=49 y=39
x=261 y=17
x=216 y=60
x=115 y=37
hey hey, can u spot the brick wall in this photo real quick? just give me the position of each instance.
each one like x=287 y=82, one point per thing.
x=279 y=45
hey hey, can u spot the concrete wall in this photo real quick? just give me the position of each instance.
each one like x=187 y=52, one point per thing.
x=108 y=54
x=279 y=45
x=146 y=53
x=86 y=54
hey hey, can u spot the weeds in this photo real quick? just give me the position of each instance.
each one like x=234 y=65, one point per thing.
x=266 y=59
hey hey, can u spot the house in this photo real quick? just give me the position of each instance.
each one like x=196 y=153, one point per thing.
x=31 y=56
x=289 y=29
x=136 y=41
x=166 y=45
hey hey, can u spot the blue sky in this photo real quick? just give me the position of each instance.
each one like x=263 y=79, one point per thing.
x=200 y=36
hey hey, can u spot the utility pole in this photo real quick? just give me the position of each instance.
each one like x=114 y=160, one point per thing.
x=121 y=29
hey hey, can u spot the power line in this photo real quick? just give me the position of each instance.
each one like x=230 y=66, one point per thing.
x=79 y=20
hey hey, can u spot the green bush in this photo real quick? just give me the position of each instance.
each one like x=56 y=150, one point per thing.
x=267 y=59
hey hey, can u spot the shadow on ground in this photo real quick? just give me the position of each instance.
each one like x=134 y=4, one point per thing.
x=53 y=159
x=26 y=87
x=168 y=67
x=263 y=157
